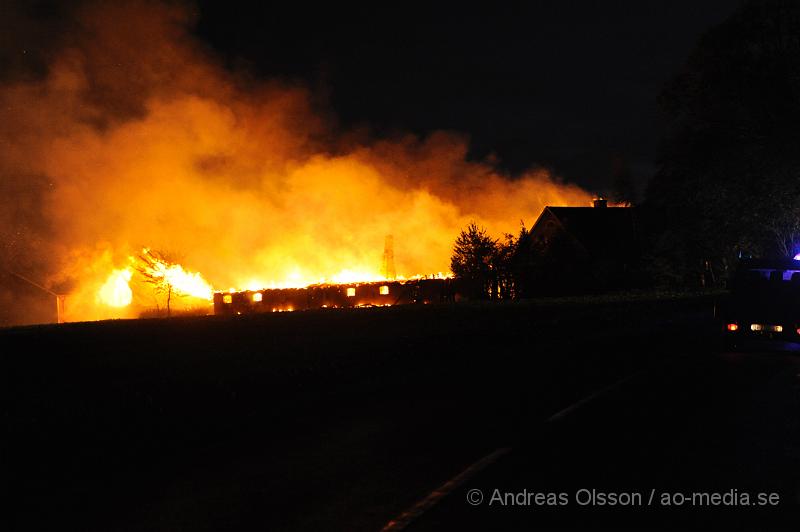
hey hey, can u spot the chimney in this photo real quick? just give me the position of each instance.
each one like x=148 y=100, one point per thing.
x=600 y=203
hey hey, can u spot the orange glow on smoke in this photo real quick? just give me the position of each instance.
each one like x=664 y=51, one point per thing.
x=242 y=180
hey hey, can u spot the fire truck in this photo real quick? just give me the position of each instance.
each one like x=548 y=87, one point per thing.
x=763 y=307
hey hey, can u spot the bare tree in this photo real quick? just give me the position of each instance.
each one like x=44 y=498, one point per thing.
x=152 y=265
x=784 y=228
x=779 y=207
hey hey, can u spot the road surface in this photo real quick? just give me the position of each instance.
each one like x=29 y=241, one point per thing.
x=700 y=444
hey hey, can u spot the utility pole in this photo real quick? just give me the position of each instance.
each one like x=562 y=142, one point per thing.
x=388 y=270
x=60 y=298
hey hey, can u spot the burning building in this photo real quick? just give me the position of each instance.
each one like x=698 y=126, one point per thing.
x=244 y=181
x=383 y=293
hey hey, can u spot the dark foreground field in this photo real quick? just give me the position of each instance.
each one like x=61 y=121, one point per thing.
x=344 y=419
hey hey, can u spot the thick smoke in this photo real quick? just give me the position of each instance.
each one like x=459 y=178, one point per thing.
x=133 y=135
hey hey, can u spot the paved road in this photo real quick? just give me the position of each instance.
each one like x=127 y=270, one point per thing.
x=186 y=439
x=727 y=424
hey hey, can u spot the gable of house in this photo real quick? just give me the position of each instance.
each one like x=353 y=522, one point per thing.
x=604 y=233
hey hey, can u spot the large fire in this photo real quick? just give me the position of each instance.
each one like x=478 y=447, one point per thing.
x=116 y=292
x=136 y=137
x=172 y=277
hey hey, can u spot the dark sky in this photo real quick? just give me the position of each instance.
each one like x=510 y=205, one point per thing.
x=568 y=85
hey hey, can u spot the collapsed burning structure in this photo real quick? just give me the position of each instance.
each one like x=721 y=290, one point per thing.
x=358 y=293
x=384 y=293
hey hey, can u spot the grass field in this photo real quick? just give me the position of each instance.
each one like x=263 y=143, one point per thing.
x=90 y=402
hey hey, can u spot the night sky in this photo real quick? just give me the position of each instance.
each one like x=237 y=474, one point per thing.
x=571 y=86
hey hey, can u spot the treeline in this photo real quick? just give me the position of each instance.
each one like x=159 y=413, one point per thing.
x=728 y=182
x=488 y=267
x=728 y=179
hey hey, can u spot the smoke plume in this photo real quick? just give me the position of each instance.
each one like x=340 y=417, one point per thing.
x=131 y=134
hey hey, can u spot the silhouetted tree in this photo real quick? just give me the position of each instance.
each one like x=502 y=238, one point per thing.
x=503 y=267
x=781 y=219
x=473 y=259
x=513 y=264
x=730 y=168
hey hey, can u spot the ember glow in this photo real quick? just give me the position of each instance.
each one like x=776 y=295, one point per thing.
x=136 y=137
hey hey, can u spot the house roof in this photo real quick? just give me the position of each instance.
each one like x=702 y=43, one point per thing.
x=601 y=231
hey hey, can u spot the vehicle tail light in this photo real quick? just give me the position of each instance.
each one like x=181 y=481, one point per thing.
x=734 y=327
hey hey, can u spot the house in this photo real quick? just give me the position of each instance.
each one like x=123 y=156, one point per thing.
x=573 y=250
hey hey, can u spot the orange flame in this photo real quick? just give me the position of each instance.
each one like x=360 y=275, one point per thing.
x=116 y=292
x=174 y=277
x=242 y=179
